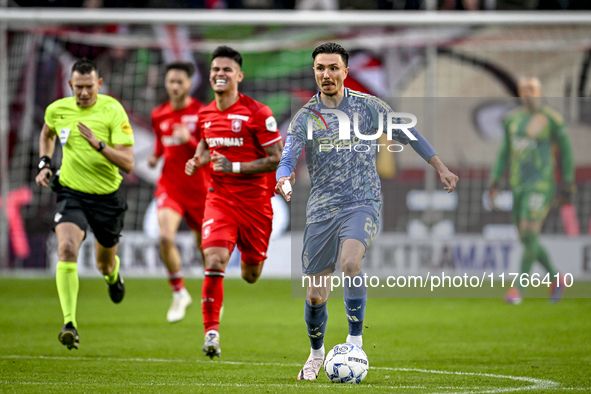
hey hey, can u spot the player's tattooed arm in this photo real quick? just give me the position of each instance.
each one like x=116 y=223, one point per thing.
x=259 y=166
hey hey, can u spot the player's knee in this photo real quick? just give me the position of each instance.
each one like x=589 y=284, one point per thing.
x=251 y=267
x=68 y=250
x=317 y=301
x=317 y=295
x=215 y=261
x=250 y=277
x=166 y=241
x=350 y=266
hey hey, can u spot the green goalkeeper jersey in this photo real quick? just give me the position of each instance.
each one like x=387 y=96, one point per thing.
x=83 y=168
x=528 y=148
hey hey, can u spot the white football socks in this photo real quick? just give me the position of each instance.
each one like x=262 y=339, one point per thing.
x=356 y=340
x=318 y=353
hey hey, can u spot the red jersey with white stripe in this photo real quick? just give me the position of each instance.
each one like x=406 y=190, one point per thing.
x=173 y=179
x=241 y=132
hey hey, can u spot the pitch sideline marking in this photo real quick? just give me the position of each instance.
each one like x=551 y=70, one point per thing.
x=537 y=383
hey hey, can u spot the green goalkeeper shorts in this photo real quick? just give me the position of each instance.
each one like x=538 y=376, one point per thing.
x=532 y=205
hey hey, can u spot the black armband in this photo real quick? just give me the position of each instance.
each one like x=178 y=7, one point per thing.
x=44 y=162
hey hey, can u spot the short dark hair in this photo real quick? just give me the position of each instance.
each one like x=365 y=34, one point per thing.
x=84 y=66
x=187 y=67
x=226 y=51
x=331 y=47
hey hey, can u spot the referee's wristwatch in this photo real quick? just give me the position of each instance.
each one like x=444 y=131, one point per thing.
x=44 y=162
x=102 y=146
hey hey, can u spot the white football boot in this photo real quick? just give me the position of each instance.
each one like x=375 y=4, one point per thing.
x=180 y=301
x=211 y=348
x=355 y=340
x=311 y=368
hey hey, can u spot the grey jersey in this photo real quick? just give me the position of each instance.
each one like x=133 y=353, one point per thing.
x=342 y=171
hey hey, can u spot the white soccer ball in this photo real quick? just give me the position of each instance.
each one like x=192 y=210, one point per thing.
x=346 y=363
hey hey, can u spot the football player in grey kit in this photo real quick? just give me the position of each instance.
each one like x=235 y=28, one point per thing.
x=342 y=215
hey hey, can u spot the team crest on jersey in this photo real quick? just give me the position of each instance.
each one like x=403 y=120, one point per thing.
x=164 y=126
x=305 y=260
x=190 y=121
x=236 y=125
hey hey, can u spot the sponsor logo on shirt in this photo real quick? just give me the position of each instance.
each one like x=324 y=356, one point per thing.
x=126 y=127
x=271 y=124
x=189 y=118
x=224 y=141
x=169 y=140
x=241 y=117
x=236 y=125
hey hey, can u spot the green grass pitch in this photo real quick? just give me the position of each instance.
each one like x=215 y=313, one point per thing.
x=414 y=345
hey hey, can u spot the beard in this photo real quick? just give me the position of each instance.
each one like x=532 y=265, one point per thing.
x=334 y=93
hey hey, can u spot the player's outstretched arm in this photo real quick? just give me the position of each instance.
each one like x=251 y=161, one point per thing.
x=567 y=188
x=46 y=148
x=259 y=166
x=284 y=188
x=497 y=172
x=499 y=169
x=447 y=177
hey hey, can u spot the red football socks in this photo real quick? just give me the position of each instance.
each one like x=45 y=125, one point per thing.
x=212 y=296
x=176 y=281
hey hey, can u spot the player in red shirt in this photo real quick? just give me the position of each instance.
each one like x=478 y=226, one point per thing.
x=177 y=194
x=240 y=137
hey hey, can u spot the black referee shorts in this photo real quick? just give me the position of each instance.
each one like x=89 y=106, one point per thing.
x=103 y=213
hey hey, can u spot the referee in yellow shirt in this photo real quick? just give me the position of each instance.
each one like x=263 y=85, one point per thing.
x=97 y=141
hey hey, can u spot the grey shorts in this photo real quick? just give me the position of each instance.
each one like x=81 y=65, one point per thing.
x=323 y=240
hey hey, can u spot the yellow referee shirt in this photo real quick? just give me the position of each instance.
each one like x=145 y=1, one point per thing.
x=83 y=168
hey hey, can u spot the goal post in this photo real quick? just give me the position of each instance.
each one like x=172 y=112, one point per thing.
x=358 y=18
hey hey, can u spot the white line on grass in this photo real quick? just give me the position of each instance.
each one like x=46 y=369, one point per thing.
x=537 y=384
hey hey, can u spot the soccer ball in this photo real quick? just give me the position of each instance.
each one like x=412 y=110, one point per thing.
x=346 y=363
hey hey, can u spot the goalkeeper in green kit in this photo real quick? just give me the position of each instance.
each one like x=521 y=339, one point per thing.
x=531 y=133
